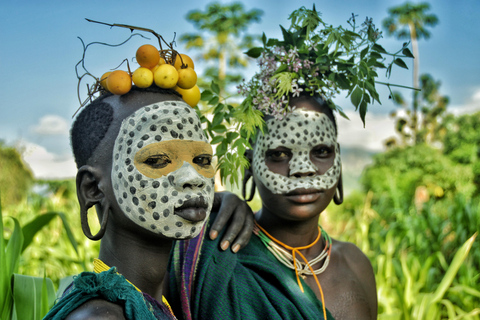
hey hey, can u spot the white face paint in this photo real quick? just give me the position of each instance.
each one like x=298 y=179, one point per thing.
x=168 y=133
x=300 y=131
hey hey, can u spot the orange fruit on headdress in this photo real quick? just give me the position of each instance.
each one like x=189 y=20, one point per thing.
x=119 y=82
x=147 y=56
x=187 y=61
x=103 y=80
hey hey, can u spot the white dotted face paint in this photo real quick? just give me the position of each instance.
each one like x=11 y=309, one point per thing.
x=161 y=165
x=300 y=131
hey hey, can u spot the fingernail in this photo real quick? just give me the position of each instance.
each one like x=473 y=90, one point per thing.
x=224 y=245
x=236 y=248
x=213 y=234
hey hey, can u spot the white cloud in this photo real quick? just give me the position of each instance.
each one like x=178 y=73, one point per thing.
x=472 y=105
x=380 y=127
x=352 y=133
x=51 y=125
x=47 y=165
x=476 y=96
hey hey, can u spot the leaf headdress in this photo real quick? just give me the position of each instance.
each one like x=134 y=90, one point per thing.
x=313 y=57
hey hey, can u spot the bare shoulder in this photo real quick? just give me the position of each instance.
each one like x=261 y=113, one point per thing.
x=97 y=309
x=358 y=263
x=355 y=258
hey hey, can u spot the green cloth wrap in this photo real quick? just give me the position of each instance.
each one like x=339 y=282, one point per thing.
x=107 y=285
x=251 y=284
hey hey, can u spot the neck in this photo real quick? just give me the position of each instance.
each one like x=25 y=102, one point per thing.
x=292 y=233
x=142 y=261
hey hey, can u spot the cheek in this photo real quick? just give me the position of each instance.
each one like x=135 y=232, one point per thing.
x=277 y=167
x=324 y=165
x=265 y=193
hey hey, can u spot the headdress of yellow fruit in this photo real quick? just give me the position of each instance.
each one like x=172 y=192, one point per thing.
x=154 y=68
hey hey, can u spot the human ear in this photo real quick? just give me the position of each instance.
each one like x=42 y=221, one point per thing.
x=89 y=194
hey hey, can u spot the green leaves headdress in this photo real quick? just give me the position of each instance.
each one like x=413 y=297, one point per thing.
x=313 y=57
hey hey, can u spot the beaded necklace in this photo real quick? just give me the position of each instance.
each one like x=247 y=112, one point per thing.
x=279 y=250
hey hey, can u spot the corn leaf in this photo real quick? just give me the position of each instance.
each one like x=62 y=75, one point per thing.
x=28 y=297
x=13 y=249
x=6 y=300
x=458 y=259
x=30 y=229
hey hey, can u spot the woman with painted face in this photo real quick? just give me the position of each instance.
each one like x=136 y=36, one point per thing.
x=144 y=163
x=291 y=268
x=296 y=168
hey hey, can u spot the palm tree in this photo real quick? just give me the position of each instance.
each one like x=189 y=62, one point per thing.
x=410 y=21
x=222 y=39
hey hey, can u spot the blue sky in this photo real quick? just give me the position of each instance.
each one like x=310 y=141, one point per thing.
x=39 y=49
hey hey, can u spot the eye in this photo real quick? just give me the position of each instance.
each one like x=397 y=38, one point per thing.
x=278 y=155
x=322 y=151
x=203 y=160
x=158 y=161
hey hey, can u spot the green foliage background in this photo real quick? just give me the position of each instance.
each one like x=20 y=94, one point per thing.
x=51 y=251
x=419 y=205
x=15 y=177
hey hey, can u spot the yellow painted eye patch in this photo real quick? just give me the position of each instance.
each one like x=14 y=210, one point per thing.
x=161 y=158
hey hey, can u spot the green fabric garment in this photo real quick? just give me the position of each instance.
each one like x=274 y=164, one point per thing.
x=251 y=284
x=111 y=286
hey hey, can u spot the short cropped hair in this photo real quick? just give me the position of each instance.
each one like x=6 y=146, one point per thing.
x=93 y=122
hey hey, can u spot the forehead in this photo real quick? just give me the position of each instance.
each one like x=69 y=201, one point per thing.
x=300 y=127
x=162 y=121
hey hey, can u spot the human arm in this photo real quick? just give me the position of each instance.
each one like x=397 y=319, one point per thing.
x=239 y=217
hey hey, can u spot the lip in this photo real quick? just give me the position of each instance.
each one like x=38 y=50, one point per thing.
x=304 y=195
x=194 y=210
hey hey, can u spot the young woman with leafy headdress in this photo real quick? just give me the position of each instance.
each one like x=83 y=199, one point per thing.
x=291 y=269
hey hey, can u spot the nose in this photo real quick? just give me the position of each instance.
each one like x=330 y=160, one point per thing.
x=301 y=166
x=187 y=177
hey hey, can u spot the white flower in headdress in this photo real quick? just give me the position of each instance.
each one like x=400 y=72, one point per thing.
x=296 y=90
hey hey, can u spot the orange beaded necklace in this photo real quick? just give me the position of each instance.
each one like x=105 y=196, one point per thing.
x=277 y=248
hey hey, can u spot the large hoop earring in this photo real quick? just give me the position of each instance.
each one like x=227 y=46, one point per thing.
x=247 y=177
x=86 y=227
x=338 y=196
